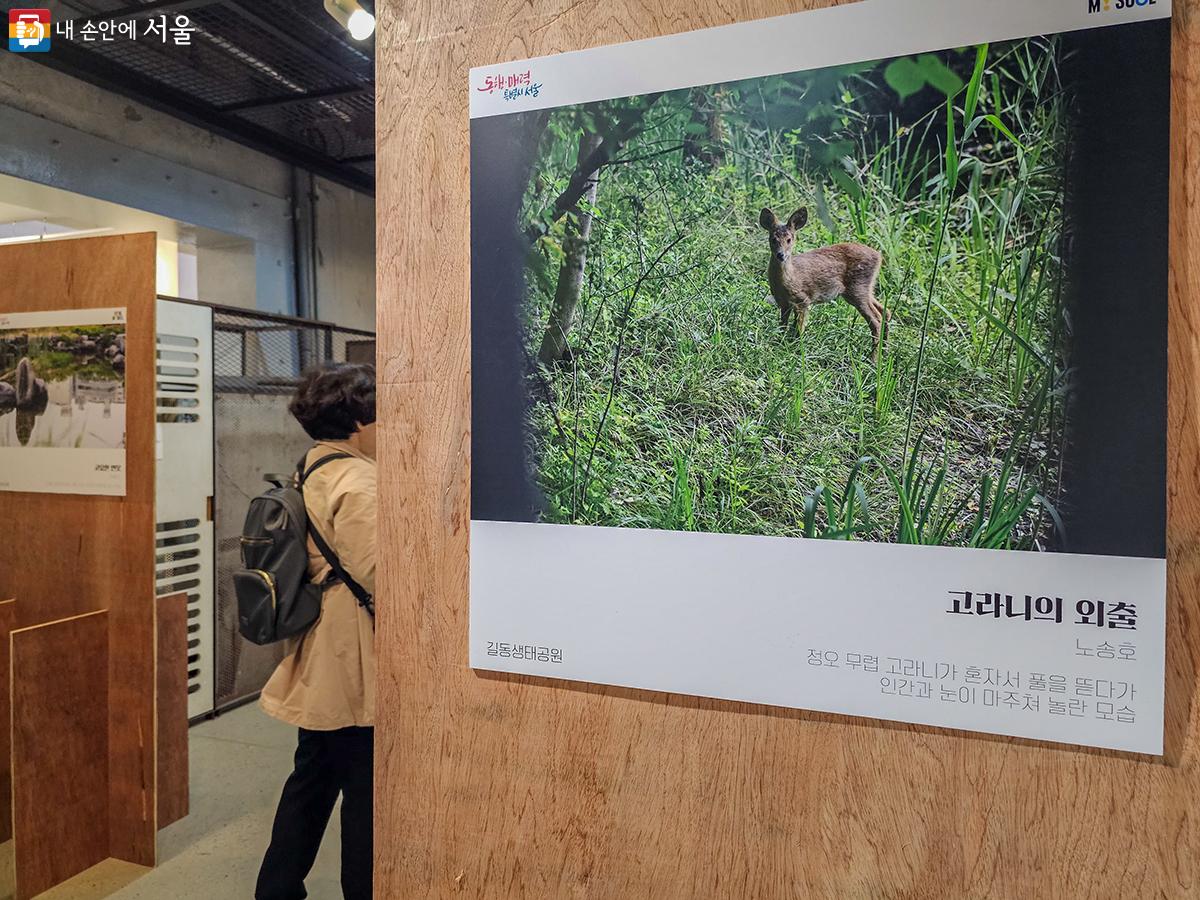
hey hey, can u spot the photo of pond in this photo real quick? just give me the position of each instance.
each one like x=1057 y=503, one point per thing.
x=63 y=387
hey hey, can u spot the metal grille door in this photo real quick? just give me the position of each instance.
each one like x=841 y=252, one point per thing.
x=184 y=434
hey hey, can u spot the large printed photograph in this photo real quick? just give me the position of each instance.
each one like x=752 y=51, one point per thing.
x=63 y=387
x=916 y=300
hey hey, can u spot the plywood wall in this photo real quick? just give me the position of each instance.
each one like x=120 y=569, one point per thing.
x=507 y=787
x=171 y=705
x=64 y=555
x=59 y=738
x=8 y=618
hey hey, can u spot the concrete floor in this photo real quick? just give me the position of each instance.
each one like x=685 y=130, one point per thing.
x=238 y=765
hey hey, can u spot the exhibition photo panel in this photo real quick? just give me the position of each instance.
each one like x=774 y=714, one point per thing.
x=820 y=361
x=62 y=401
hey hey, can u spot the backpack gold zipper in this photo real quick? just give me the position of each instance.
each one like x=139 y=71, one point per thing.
x=270 y=580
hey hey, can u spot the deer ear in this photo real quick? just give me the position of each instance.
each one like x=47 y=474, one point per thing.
x=767 y=219
x=798 y=218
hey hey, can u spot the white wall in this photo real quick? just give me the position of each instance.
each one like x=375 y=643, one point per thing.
x=226 y=275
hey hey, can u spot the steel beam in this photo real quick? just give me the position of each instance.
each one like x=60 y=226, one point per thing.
x=305 y=97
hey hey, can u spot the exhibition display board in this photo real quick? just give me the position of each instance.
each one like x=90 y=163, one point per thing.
x=888 y=508
x=80 y=566
x=678 y=431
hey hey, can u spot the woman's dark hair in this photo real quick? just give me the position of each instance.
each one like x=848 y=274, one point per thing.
x=333 y=399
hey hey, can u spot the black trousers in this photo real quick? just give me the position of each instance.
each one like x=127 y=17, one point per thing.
x=328 y=763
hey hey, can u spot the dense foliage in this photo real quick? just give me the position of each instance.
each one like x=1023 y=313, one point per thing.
x=682 y=405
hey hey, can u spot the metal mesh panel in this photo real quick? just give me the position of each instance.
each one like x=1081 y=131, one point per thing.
x=257 y=360
x=341 y=127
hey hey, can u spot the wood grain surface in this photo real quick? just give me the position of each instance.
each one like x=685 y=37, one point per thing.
x=171 y=707
x=513 y=787
x=59 y=742
x=78 y=554
x=8 y=613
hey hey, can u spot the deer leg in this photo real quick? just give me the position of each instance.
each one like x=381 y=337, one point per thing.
x=785 y=313
x=868 y=308
x=883 y=313
x=801 y=318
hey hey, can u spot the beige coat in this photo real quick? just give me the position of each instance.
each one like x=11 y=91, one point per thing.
x=327 y=680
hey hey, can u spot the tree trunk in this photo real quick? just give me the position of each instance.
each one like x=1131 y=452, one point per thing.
x=706 y=135
x=570 y=275
x=586 y=169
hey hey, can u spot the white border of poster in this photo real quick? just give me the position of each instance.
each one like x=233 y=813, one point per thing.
x=872 y=29
x=828 y=626
x=96 y=471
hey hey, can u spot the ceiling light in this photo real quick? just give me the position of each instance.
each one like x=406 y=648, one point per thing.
x=362 y=25
x=351 y=16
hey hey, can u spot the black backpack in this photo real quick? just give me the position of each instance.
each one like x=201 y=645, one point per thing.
x=276 y=599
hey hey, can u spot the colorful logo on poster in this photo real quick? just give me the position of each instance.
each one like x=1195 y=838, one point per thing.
x=513 y=86
x=29 y=30
x=1097 y=6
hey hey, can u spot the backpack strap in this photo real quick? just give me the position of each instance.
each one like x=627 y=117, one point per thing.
x=364 y=598
x=302 y=474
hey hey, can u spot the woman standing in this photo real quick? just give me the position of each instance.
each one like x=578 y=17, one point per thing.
x=325 y=686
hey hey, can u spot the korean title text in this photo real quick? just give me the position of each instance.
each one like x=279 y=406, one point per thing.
x=1098 y=613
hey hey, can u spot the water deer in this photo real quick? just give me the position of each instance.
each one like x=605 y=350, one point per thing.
x=800 y=281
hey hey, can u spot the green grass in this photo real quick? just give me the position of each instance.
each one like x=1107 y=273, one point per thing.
x=685 y=407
